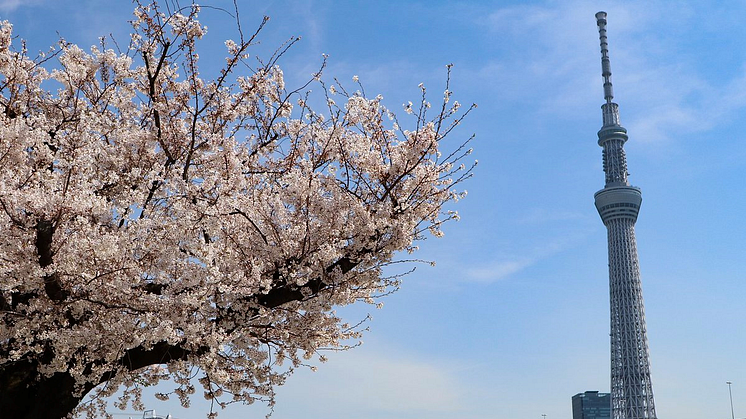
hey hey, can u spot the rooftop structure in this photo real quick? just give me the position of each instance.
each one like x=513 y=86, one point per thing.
x=591 y=405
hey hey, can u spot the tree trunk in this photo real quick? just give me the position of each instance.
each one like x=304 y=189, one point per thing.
x=22 y=396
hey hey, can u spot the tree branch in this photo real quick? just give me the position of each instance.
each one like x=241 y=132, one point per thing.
x=52 y=284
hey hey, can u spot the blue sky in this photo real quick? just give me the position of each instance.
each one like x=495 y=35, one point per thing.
x=513 y=320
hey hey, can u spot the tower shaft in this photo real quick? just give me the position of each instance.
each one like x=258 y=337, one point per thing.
x=631 y=386
x=618 y=204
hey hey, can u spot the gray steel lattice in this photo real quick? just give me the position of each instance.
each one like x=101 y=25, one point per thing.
x=618 y=204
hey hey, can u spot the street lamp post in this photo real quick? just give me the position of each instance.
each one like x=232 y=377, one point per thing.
x=730 y=393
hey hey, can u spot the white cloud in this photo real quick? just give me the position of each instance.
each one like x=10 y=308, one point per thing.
x=377 y=381
x=384 y=382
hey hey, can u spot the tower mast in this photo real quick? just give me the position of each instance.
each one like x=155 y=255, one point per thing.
x=618 y=204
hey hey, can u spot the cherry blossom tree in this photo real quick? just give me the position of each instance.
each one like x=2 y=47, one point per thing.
x=158 y=225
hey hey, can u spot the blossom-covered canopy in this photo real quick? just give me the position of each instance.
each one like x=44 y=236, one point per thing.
x=156 y=224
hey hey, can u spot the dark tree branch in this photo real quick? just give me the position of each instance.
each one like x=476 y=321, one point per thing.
x=52 y=284
x=160 y=353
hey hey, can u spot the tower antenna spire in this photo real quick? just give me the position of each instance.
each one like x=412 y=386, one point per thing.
x=605 y=62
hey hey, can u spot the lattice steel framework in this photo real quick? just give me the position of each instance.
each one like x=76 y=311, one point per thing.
x=618 y=203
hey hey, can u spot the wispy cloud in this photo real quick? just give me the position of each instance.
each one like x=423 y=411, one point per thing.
x=499 y=269
x=502 y=267
x=556 y=65
x=312 y=24
x=9 y=5
x=544 y=215
x=391 y=383
x=378 y=381
x=547 y=60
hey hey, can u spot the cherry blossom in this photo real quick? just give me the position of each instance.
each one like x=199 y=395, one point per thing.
x=159 y=225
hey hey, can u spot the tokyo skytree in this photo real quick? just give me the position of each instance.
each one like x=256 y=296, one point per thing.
x=618 y=204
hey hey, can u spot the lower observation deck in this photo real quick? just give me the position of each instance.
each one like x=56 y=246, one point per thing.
x=618 y=202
